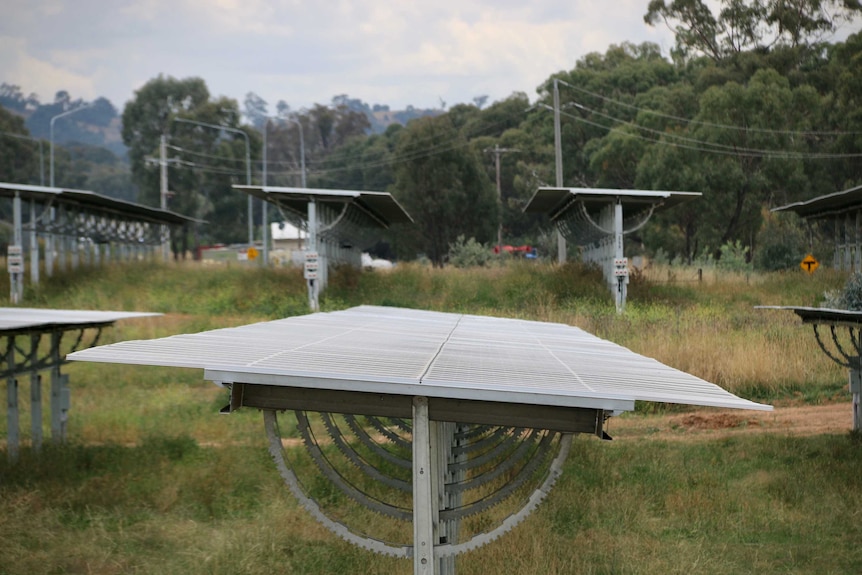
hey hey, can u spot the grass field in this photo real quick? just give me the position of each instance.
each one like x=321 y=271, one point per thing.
x=154 y=481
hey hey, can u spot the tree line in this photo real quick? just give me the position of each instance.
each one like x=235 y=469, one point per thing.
x=752 y=108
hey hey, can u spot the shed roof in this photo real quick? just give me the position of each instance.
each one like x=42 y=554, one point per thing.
x=445 y=355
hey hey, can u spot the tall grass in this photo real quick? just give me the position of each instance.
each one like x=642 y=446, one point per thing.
x=153 y=481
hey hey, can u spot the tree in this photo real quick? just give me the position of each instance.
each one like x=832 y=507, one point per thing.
x=748 y=25
x=255 y=110
x=442 y=183
x=19 y=153
x=205 y=160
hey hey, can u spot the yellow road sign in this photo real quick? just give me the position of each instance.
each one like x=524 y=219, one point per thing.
x=252 y=253
x=809 y=264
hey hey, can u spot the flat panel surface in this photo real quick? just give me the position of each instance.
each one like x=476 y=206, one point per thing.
x=551 y=200
x=92 y=200
x=18 y=318
x=827 y=205
x=412 y=352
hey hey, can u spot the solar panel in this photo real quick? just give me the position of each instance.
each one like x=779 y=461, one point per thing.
x=412 y=352
x=19 y=318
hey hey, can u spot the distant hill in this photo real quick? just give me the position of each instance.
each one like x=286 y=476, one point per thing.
x=97 y=125
x=381 y=116
x=101 y=125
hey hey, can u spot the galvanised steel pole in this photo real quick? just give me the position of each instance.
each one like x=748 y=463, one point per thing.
x=66 y=113
x=247 y=165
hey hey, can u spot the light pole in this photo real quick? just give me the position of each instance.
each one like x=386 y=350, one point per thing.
x=247 y=165
x=301 y=149
x=265 y=166
x=66 y=113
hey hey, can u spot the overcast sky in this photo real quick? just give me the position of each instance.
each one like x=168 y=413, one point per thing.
x=394 y=52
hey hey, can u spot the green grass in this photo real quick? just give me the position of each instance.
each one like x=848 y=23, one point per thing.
x=154 y=481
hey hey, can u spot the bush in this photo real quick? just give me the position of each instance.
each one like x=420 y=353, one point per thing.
x=849 y=298
x=470 y=253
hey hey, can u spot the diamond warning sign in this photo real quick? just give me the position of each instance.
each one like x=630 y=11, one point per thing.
x=809 y=264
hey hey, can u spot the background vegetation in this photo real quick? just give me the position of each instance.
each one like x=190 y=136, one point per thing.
x=754 y=107
x=154 y=481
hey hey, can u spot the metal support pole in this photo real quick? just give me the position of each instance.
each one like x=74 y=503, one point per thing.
x=163 y=186
x=622 y=280
x=313 y=246
x=264 y=212
x=856 y=391
x=56 y=389
x=423 y=494
x=11 y=403
x=16 y=280
x=35 y=395
x=34 y=245
x=558 y=156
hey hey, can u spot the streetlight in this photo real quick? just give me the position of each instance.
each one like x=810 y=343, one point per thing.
x=41 y=155
x=301 y=148
x=265 y=203
x=66 y=113
x=247 y=165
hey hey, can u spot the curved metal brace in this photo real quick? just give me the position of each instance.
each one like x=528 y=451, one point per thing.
x=645 y=220
x=323 y=229
x=388 y=433
x=375 y=447
x=490 y=455
x=339 y=480
x=554 y=472
x=592 y=222
x=828 y=353
x=507 y=489
x=489 y=439
x=293 y=483
x=356 y=459
x=513 y=459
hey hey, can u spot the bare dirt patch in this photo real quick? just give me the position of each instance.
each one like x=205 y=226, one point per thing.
x=711 y=423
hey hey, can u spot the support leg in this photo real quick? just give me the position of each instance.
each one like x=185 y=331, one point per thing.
x=423 y=495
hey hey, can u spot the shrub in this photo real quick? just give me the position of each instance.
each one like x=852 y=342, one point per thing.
x=469 y=253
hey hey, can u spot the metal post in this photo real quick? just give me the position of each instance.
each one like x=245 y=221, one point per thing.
x=16 y=280
x=622 y=280
x=312 y=246
x=66 y=113
x=11 y=403
x=856 y=391
x=558 y=150
x=423 y=495
x=163 y=186
x=34 y=245
x=35 y=395
x=265 y=211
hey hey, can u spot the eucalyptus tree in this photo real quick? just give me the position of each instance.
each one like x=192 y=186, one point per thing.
x=442 y=183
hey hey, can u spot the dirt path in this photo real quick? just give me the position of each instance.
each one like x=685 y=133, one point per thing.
x=712 y=423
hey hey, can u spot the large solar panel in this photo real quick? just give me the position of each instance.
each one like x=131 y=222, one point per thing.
x=445 y=355
x=20 y=318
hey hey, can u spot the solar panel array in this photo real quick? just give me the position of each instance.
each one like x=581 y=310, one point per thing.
x=19 y=318
x=403 y=351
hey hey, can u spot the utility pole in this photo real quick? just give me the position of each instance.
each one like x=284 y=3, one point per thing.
x=497 y=151
x=163 y=193
x=558 y=149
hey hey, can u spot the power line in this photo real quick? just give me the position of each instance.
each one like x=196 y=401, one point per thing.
x=710 y=147
x=708 y=124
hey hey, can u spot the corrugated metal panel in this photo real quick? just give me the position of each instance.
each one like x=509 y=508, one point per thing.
x=550 y=200
x=17 y=318
x=447 y=355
